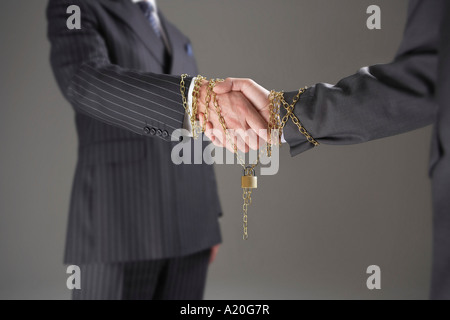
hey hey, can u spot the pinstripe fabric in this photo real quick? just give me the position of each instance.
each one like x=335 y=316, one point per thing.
x=165 y=279
x=129 y=201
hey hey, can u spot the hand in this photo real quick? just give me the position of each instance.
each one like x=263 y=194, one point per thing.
x=246 y=115
x=214 y=251
x=255 y=93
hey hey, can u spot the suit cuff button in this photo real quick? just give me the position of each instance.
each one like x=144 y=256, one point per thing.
x=159 y=133
x=165 y=134
x=152 y=131
x=147 y=130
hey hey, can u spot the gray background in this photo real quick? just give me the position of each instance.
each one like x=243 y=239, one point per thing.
x=315 y=227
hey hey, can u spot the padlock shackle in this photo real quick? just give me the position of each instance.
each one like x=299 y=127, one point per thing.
x=249 y=171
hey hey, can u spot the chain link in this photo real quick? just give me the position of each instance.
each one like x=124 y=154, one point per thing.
x=211 y=85
x=183 y=94
x=279 y=97
x=247 y=193
x=196 y=130
x=274 y=121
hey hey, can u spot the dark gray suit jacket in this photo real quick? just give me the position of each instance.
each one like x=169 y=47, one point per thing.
x=384 y=100
x=129 y=201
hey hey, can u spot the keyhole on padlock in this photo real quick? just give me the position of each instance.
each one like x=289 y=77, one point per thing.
x=249 y=179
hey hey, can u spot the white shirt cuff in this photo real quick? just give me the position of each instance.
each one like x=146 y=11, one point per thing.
x=282 y=133
x=187 y=121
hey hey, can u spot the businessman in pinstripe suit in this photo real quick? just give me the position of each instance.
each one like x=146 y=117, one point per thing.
x=139 y=226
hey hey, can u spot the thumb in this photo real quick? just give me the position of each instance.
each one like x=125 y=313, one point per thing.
x=231 y=84
x=255 y=93
x=223 y=87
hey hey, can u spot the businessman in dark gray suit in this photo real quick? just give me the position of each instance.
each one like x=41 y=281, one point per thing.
x=139 y=226
x=383 y=100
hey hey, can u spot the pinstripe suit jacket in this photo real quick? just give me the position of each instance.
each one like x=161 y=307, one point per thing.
x=129 y=201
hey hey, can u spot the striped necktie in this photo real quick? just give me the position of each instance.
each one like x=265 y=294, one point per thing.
x=148 y=10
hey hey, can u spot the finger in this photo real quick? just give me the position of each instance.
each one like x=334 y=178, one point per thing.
x=232 y=141
x=246 y=139
x=255 y=93
x=201 y=117
x=252 y=139
x=220 y=139
x=229 y=140
x=210 y=132
x=224 y=86
x=241 y=144
x=256 y=122
x=250 y=116
x=249 y=137
x=214 y=251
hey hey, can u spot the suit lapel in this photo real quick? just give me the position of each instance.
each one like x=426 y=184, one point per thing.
x=182 y=56
x=130 y=14
x=165 y=25
x=168 y=30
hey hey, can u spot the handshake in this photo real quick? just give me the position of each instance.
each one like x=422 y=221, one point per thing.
x=239 y=114
x=234 y=113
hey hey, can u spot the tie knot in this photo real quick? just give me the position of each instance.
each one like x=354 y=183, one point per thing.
x=146 y=7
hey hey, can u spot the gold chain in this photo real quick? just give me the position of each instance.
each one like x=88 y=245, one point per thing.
x=183 y=94
x=279 y=96
x=247 y=196
x=247 y=192
x=275 y=123
x=209 y=93
x=195 y=98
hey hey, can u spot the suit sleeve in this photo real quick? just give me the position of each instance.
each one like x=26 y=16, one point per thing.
x=442 y=91
x=378 y=101
x=129 y=99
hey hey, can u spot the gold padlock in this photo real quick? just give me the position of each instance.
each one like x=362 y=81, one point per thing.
x=249 y=180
